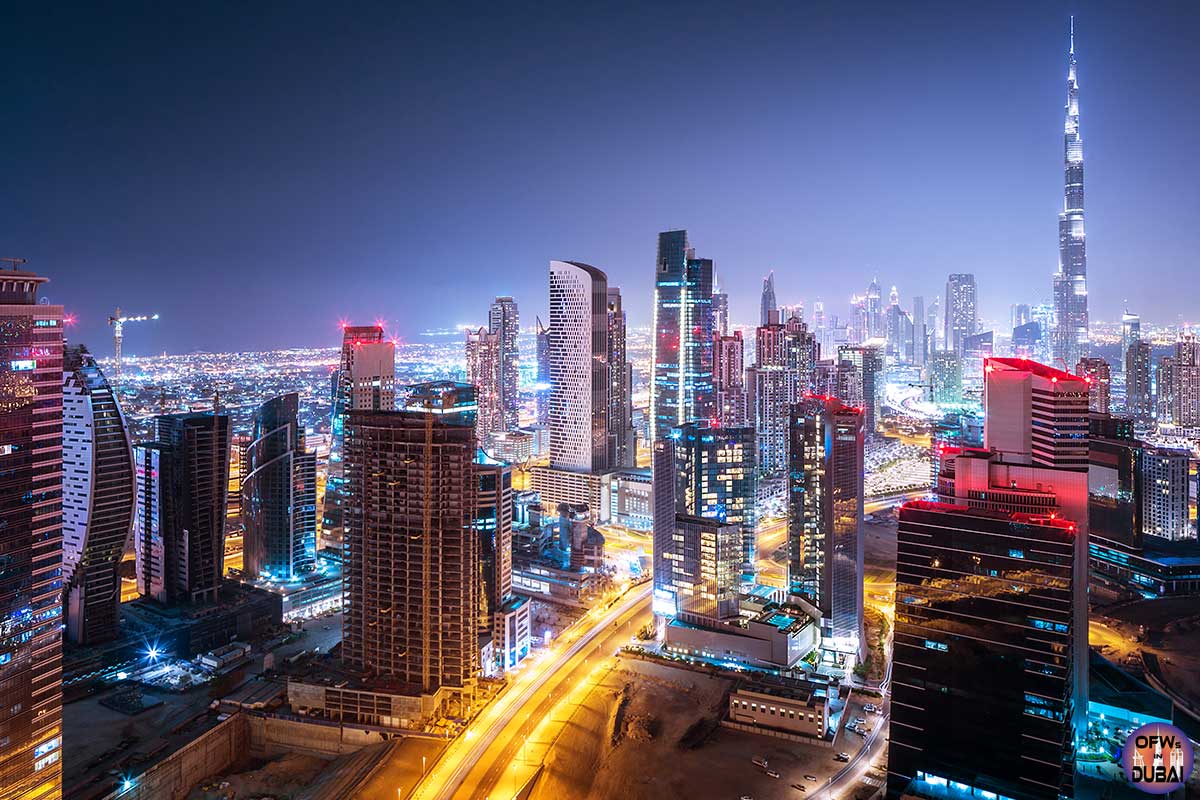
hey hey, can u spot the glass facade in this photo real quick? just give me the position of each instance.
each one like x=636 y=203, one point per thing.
x=682 y=388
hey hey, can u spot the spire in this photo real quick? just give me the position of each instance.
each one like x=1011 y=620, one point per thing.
x=1072 y=34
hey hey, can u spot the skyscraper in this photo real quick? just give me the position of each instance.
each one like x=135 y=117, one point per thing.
x=774 y=383
x=179 y=527
x=1070 y=283
x=504 y=614
x=720 y=310
x=1138 y=398
x=1036 y=414
x=622 y=442
x=1099 y=377
x=99 y=496
x=1186 y=373
x=578 y=367
x=716 y=477
x=868 y=369
x=543 y=374
x=412 y=576
x=1131 y=331
x=766 y=303
x=279 y=493
x=961 y=315
x=31 y=462
x=825 y=513
x=984 y=654
x=505 y=322
x=945 y=375
x=1165 y=494
x=484 y=351
x=1164 y=390
x=920 y=332
x=729 y=379
x=682 y=386
x=874 y=306
x=364 y=379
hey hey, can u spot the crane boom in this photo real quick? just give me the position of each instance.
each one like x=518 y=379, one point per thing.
x=117 y=321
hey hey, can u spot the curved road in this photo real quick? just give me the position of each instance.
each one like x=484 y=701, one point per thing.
x=462 y=769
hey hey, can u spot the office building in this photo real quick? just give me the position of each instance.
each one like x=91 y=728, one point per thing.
x=1027 y=340
x=1165 y=494
x=945 y=376
x=716 y=478
x=1131 y=331
x=578 y=367
x=1036 y=414
x=622 y=441
x=720 y=310
x=504 y=321
x=1099 y=378
x=682 y=383
x=784 y=369
x=1115 y=489
x=1138 y=395
x=542 y=389
x=983 y=700
x=868 y=371
x=921 y=346
x=412 y=583
x=1164 y=390
x=1070 y=283
x=1019 y=314
x=31 y=461
x=484 y=372
x=961 y=314
x=729 y=379
x=365 y=379
x=1187 y=382
x=874 y=311
x=279 y=494
x=179 y=526
x=98 y=499
x=767 y=304
x=504 y=615
x=900 y=334
x=825 y=513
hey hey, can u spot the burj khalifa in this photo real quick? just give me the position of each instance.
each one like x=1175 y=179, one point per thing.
x=1070 y=284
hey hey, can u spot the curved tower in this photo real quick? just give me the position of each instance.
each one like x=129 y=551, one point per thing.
x=99 y=496
x=1070 y=284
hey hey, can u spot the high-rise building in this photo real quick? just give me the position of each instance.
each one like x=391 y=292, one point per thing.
x=505 y=322
x=578 y=367
x=1165 y=494
x=1164 y=390
x=720 y=310
x=900 y=334
x=365 y=379
x=945 y=375
x=622 y=441
x=543 y=374
x=825 y=513
x=1099 y=377
x=1138 y=397
x=784 y=368
x=505 y=615
x=729 y=379
x=412 y=588
x=716 y=477
x=868 y=371
x=1115 y=489
x=98 y=500
x=767 y=302
x=985 y=647
x=961 y=312
x=1187 y=382
x=484 y=351
x=179 y=526
x=279 y=494
x=933 y=325
x=1036 y=414
x=1070 y=283
x=1019 y=314
x=920 y=332
x=31 y=462
x=1131 y=331
x=682 y=385
x=874 y=307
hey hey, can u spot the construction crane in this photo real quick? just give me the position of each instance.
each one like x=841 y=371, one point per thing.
x=118 y=325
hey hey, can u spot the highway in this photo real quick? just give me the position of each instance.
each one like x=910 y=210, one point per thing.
x=473 y=763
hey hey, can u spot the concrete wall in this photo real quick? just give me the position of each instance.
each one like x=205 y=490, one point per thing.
x=212 y=753
x=270 y=736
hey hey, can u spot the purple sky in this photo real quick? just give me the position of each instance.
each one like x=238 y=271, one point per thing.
x=255 y=173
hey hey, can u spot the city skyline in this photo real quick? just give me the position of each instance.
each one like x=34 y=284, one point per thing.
x=1126 y=61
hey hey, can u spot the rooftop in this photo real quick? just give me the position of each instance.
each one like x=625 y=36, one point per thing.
x=1009 y=516
x=1032 y=367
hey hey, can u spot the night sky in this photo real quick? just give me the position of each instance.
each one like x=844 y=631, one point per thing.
x=256 y=173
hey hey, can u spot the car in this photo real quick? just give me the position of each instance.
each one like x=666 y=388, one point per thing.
x=799 y=786
x=842 y=757
x=746 y=797
x=810 y=777
x=860 y=720
x=773 y=773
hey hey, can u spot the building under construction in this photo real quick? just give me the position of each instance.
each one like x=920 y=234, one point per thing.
x=412 y=570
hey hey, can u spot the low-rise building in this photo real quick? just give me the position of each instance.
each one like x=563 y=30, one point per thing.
x=778 y=637
x=799 y=707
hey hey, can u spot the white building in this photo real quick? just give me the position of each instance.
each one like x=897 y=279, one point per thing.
x=578 y=367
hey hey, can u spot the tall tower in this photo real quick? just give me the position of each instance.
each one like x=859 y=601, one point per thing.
x=720 y=309
x=578 y=367
x=505 y=322
x=767 y=303
x=31 y=415
x=682 y=389
x=98 y=499
x=542 y=389
x=962 y=319
x=485 y=370
x=622 y=444
x=279 y=493
x=1070 y=284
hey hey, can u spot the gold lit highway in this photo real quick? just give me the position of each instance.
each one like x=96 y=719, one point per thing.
x=475 y=762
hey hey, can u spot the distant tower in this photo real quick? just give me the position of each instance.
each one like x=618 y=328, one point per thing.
x=1098 y=375
x=31 y=545
x=961 y=316
x=767 y=302
x=729 y=378
x=720 y=310
x=504 y=321
x=578 y=367
x=1138 y=399
x=622 y=441
x=279 y=493
x=99 y=496
x=543 y=374
x=484 y=351
x=1131 y=331
x=1070 y=283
